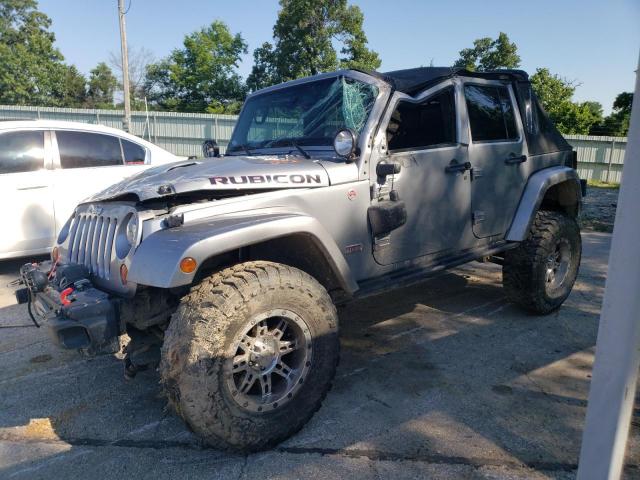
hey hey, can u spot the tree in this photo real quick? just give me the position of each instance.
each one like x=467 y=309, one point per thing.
x=264 y=72
x=489 y=54
x=202 y=76
x=555 y=94
x=72 y=91
x=32 y=71
x=617 y=124
x=304 y=37
x=102 y=85
x=139 y=59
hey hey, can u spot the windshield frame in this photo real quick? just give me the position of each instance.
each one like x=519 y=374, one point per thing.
x=372 y=120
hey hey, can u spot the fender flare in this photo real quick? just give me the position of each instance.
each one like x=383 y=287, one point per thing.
x=537 y=186
x=156 y=261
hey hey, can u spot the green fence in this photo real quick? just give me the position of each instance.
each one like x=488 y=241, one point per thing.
x=179 y=133
x=599 y=158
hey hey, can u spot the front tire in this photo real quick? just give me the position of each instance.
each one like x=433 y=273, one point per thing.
x=539 y=274
x=250 y=354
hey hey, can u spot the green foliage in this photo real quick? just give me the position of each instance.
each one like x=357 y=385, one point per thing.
x=617 y=124
x=32 y=71
x=304 y=35
x=264 y=72
x=102 y=85
x=555 y=94
x=72 y=90
x=202 y=76
x=489 y=54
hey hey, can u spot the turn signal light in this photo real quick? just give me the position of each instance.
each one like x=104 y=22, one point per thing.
x=188 y=265
x=124 y=271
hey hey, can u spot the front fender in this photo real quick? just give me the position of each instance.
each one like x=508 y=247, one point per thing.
x=156 y=261
x=533 y=195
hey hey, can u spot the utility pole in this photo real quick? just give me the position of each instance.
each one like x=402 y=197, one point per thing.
x=126 y=121
x=615 y=371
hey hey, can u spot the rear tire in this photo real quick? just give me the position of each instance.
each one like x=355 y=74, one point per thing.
x=250 y=354
x=539 y=274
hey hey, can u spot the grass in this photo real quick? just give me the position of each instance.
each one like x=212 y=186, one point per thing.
x=601 y=184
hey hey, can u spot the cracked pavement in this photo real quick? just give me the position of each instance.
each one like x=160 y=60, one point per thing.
x=444 y=379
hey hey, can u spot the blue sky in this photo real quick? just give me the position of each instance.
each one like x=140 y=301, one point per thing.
x=594 y=42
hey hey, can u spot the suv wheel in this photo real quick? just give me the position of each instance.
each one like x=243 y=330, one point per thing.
x=250 y=354
x=539 y=274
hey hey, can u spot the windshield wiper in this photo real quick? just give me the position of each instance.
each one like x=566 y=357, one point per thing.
x=290 y=141
x=244 y=147
x=304 y=153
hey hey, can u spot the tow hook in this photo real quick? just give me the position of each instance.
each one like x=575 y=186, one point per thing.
x=64 y=294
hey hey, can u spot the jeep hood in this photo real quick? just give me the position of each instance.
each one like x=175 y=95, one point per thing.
x=233 y=173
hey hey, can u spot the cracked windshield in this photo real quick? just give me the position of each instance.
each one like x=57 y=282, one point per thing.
x=307 y=114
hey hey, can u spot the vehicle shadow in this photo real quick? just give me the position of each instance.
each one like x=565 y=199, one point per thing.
x=446 y=371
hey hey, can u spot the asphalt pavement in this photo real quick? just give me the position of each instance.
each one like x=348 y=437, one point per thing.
x=445 y=380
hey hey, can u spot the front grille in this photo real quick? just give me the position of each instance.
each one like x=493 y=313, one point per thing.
x=91 y=242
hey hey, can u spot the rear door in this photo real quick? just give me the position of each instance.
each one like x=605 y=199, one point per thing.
x=88 y=162
x=497 y=154
x=25 y=193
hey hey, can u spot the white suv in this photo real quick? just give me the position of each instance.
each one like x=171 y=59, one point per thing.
x=47 y=167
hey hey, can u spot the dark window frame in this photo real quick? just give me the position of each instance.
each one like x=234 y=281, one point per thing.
x=420 y=101
x=60 y=165
x=124 y=155
x=514 y=106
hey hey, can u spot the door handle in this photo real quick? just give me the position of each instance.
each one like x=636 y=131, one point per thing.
x=513 y=159
x=454 y=167
x=30 y=187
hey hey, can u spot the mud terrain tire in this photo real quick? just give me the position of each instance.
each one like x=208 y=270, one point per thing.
x=539 y=274
x=200 y=351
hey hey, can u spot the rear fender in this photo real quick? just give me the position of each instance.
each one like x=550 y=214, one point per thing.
x=567 y=183
x=156 y=261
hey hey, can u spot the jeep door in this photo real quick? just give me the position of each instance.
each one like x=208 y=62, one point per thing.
x=497 y=154
x=25 y=193
x=422 y=136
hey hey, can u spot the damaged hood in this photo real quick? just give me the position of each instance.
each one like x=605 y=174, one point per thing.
x=264 y=172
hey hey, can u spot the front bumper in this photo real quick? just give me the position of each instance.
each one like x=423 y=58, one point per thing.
x=77 y=315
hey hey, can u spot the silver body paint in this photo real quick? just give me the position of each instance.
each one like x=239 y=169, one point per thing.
x=270 y=195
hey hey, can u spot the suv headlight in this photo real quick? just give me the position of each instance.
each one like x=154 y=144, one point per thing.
x=132 y=229
x=127 y=235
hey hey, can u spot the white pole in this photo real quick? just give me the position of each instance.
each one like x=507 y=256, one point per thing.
x=126 y=123
x=615 y=371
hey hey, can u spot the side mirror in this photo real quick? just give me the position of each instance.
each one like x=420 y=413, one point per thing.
x=386 y=216
x=384 y=169
x=210 y=149
x=344 y=144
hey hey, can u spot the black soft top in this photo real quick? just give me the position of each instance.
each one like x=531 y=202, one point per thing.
x=542 y=138
x=414 y=80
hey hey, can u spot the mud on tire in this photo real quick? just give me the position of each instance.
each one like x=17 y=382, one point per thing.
x=204 y=370
x=539 y=274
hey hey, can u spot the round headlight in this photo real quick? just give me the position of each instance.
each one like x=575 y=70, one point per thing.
x=127 y=235
x=132 y=229
x=344 y=143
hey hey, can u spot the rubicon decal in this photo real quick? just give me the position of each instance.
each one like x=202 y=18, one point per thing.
x=268 y=179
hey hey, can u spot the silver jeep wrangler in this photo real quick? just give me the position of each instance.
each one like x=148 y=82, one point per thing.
x=225 y=272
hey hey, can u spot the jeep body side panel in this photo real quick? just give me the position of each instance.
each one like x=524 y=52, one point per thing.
x=538 y=184
x=156 y=262
x=499 y=166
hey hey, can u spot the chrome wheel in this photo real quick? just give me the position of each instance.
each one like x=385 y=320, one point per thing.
x=269 y=361
x=557 y=266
